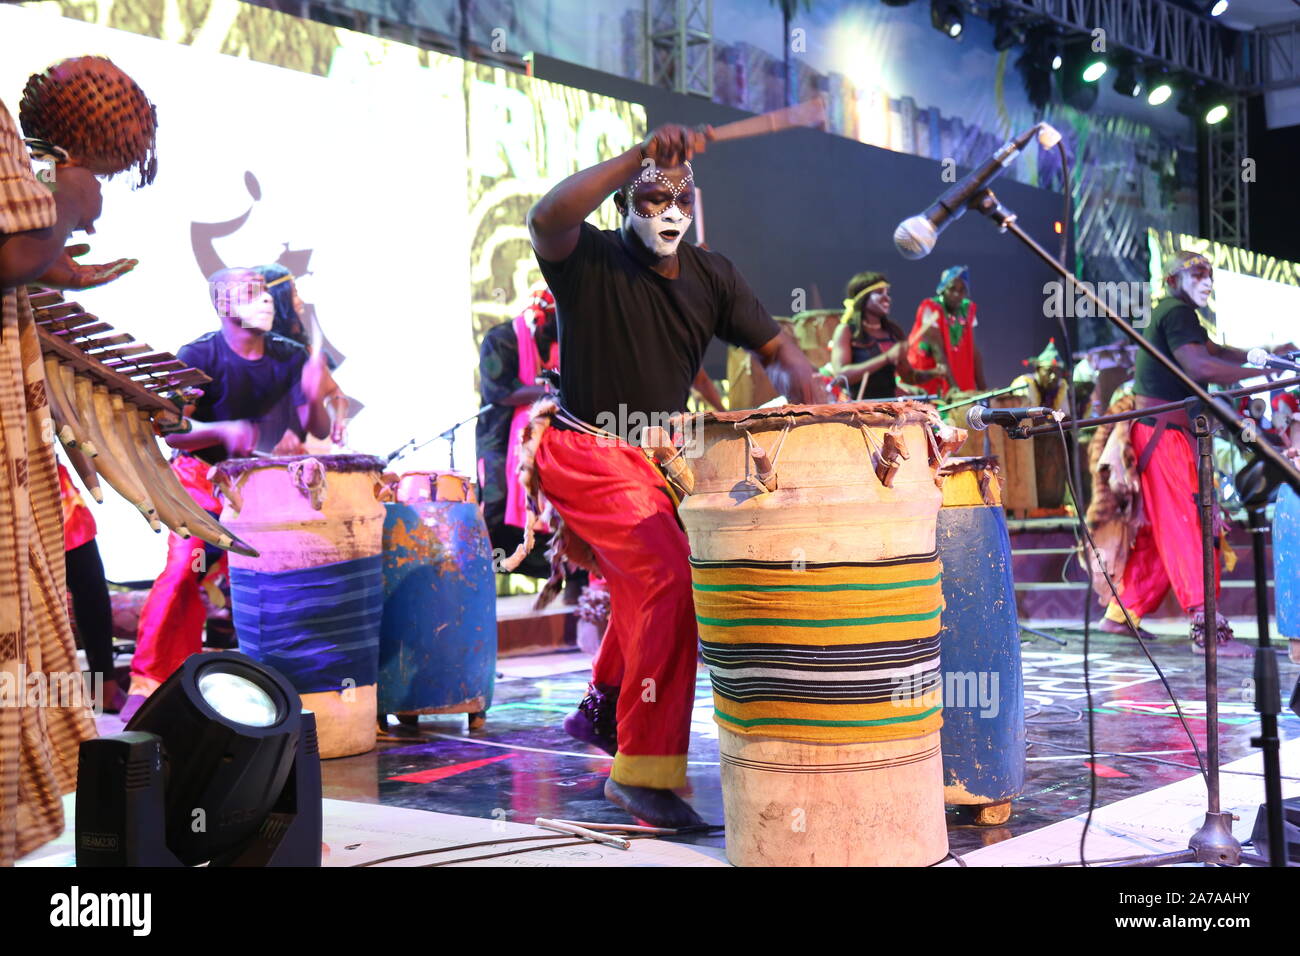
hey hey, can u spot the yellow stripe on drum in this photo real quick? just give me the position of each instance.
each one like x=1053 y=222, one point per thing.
x=971 y=482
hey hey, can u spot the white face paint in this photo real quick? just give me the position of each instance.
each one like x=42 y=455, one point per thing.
x=1195 y=290
x=652 y=230
x=662 y=232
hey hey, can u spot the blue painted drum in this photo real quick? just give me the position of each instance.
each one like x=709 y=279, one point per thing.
x=438 y=636
x=983 y=736
x=1286 y=567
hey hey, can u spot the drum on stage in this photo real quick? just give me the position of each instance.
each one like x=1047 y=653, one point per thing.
x=1286 y=567
x=438 y=637
x=983 y=710
x=310 y=605
x=818 y=593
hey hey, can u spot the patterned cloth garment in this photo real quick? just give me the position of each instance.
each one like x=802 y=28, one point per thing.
x=38 y=742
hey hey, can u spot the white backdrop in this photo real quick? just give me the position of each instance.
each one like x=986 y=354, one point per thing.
x=367 y=169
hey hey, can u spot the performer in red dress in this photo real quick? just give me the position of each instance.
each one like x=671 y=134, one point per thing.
x=943 y=337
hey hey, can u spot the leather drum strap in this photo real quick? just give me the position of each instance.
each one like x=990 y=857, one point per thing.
x=1150 y=449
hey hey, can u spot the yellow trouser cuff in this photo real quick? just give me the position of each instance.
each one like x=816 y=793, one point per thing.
x=662 y=773
x=1115 y=614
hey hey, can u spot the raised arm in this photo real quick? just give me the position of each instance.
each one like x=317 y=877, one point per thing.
x=555 y=220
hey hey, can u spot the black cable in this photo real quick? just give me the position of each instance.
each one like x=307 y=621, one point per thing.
x=1074 y=479
x=1178 y=707
x=1092 y=748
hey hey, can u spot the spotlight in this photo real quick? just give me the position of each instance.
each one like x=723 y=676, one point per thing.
x=946 y=16
x=219 y=766
x=1057 y=60
x=1216 y=113
x=1161 y=84
x=1079 y=72
x=1218 y=7
x=1126 y=80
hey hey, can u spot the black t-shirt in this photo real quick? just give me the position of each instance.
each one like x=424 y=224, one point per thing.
x=632 y=341
x=240 y=388
x=1173 y=325
x=883 y=382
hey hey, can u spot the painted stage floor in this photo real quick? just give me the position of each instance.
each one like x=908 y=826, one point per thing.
x=439 y=787
x=522 y=765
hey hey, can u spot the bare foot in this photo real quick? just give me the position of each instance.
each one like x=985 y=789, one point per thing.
x=659 y=808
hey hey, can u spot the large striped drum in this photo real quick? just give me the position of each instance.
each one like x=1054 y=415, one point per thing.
x=983 y=709
x=310 y=605
x=1286 y=567
x=818 y=593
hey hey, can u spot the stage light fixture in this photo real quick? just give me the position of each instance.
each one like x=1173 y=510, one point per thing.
x=1094 y=70
x=1216 y=113
x=1076 y=89
x=1218 y=8
x=1160 y=93
x=946 y=16
x=1126 y=80
x=219 y=766
x=1057 y=60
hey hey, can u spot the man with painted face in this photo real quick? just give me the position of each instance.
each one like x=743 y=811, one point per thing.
x=1167 y=550
x=251 y=369
x=636 y=308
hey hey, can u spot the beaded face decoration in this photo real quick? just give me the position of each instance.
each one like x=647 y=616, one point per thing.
x=662 y=231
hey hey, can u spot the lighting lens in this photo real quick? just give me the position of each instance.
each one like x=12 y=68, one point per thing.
x=1216 y=114
x=238 y=698
x=1160 y=93
x=954 y=29
x=1094 y=71
x=1056 y=62
x=1218 y=8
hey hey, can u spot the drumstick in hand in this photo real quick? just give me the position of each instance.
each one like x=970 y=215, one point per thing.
x=810 y=113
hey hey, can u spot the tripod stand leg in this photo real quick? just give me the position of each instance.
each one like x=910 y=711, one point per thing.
x=1268 y=697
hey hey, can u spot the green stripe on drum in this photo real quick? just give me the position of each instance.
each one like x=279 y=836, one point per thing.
x=882 y=586
x=830 y=622
x=808 y=722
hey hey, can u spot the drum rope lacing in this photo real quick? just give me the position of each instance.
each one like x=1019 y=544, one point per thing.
x=750 y=445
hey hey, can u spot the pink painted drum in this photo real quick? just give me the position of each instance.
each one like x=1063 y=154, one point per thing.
x=818 y=593
x=310 y=605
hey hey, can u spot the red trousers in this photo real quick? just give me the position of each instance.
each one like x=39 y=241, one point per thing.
x=173 y=616
x=1168 y=551
x=616 y=501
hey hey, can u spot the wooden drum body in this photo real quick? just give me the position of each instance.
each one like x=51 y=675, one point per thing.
x=818 y=592
x=984 y=714
x=310 y=605
x=438 y=639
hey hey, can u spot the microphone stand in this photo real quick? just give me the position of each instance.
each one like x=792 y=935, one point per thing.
x=449 y=436
x=1213 y=843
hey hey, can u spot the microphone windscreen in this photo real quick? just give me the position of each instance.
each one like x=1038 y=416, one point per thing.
x=975 y=418
x=915 y=237
x=1257 y=356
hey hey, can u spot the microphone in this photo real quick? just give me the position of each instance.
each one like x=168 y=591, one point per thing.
x=1258 y=356
x=915 y=237
x=980 y=417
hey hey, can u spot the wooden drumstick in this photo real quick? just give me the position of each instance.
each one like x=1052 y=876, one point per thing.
x=810 y=113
